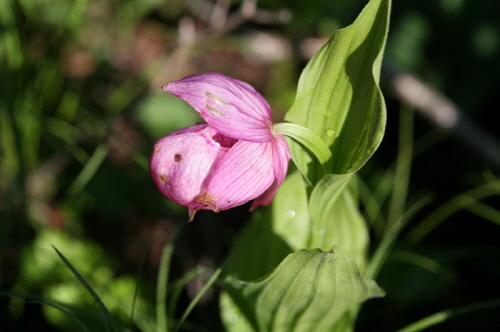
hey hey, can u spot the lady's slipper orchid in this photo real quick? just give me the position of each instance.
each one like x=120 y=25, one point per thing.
x=233 y=158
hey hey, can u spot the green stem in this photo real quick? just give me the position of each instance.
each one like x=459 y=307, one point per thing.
x=460 y=201
x=198 y=296
x=444 y=315
x=89 y=170
x=161 y=288
x=403 y=166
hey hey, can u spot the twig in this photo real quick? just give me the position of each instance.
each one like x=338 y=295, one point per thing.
x=220 y=21
x=445 y=114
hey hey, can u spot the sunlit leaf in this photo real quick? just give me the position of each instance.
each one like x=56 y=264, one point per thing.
x=309 y=291
x=338 y=96
x=338 y=99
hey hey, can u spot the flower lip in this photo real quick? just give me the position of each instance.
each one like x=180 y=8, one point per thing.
x=182 y=161
x=224 y=141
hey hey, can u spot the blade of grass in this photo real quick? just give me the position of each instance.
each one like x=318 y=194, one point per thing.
x=79 y=322
x=444 y=315
x=88 y=170
x=38 y=299
x=161 y=289
x=136 y=292
x=382 y=250
x=397 y=216
x=198 y=296
x=424 y=262
x=142 y=161
x=403 y=166
x=59 y=306
x=454 y=205
x=176 y=287
x=374 y=200
x=485 y=211
x=393 y=184
x=107 y=318
x=373 y=207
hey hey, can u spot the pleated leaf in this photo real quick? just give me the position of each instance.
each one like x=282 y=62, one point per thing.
x=309 y=291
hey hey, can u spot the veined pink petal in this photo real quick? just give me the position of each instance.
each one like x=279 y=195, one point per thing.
x=245 y=173
x=281 y=158
x=182 y=161
x=232 y=159
x=232 y=107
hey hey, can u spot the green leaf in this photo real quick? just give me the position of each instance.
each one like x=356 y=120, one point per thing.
x=308 y=139
x=338 y=96
x=273 y=233
x=309 y=291
x=232 y=317
x=335 y=218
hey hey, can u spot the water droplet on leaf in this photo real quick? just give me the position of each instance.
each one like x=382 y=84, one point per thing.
x=290 y=214
x=330 y=132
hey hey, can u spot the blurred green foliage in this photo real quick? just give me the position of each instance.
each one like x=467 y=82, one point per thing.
x=81 y=105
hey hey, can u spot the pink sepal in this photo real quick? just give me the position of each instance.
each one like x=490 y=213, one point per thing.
x=245 y=173
x=281 y=158
x=232 y=107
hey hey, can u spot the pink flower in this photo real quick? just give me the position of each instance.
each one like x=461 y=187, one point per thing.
x=233 y=158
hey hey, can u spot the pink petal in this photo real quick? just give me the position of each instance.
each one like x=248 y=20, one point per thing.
x=182 y=161
x=245 y=173
x=281 y=158
x=230 y=106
